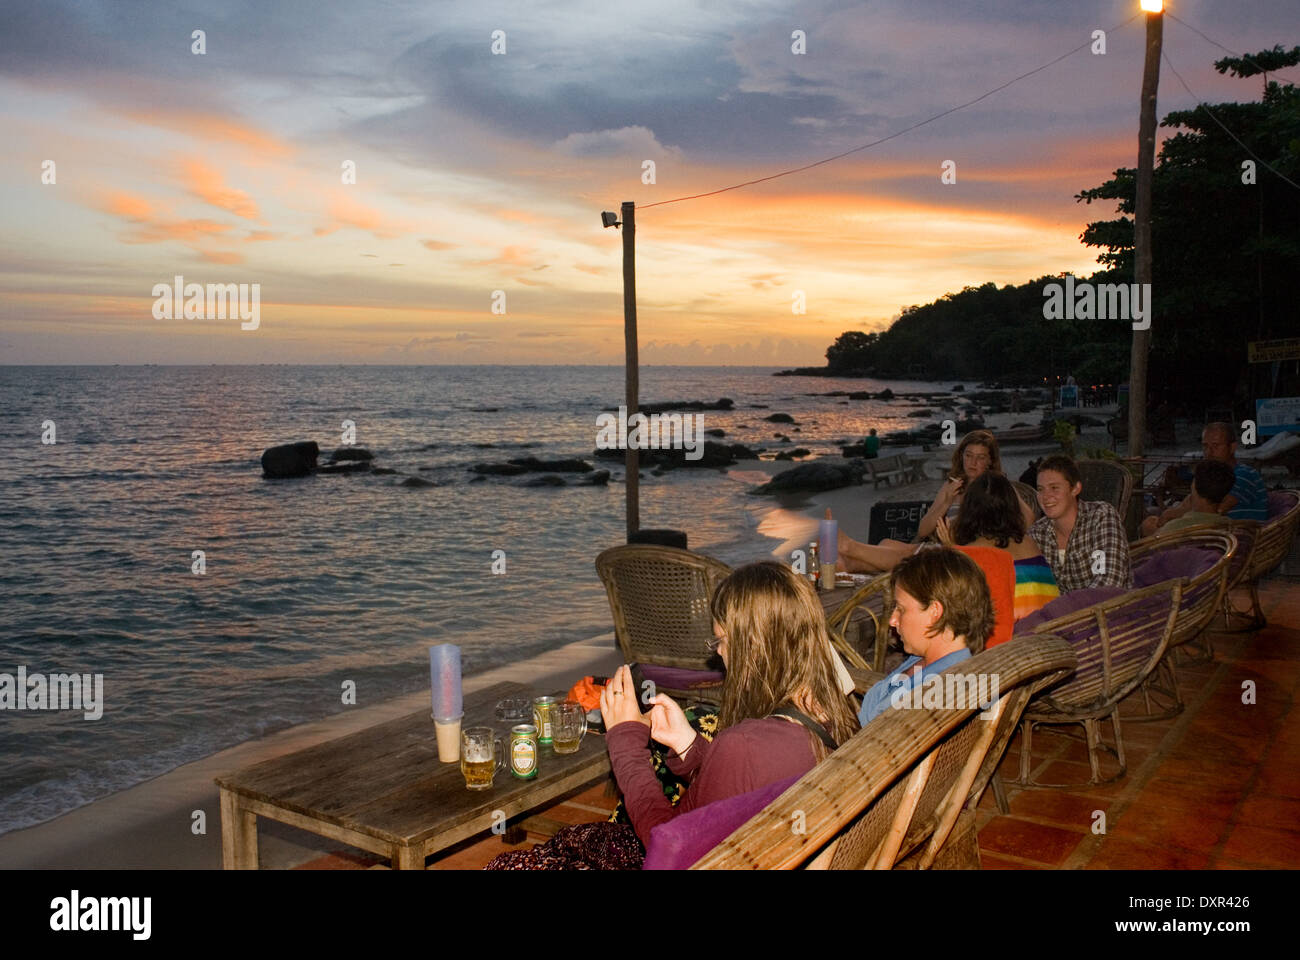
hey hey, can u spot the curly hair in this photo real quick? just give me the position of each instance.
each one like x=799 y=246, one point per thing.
x=778 y=651
x=991 y=509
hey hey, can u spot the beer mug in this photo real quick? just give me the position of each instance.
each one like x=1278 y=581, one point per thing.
x=568 y=726
x=481 y=757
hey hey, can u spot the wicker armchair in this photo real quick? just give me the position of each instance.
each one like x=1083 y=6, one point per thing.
x=871 y=598
x=1201 y=599
x=1107 y=480
x=659 y=597
x=1271 y=543
x=1118 y=643
x=1030 y=496
x=901 y=793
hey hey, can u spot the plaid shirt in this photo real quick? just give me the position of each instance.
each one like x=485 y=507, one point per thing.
x=1096 y=528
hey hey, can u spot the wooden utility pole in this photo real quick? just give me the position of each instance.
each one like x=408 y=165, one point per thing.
x=1137 y=390
x=632 y=460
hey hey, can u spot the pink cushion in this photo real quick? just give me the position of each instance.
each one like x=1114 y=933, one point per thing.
x=681 y=841
x=679 y=678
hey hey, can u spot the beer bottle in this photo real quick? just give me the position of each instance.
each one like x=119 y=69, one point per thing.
x=814 y=563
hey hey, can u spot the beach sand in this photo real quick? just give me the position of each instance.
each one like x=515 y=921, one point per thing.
x=150 y=826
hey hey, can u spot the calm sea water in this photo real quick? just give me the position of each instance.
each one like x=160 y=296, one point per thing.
x=316 y=581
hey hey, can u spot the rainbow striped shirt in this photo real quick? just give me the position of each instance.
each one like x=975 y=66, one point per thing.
x=1035 y=585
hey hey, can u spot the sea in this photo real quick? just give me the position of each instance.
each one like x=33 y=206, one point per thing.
x=308 y=583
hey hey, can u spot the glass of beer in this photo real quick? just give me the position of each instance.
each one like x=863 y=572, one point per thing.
x=568 y=726
x=480 y=757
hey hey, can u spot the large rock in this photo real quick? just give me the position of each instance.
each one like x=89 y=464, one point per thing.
x=779 y=418
x=290 y=459
x=358 y=466
x=597 y=478
x=351 y=453
x=520 y=465
x=816 y=476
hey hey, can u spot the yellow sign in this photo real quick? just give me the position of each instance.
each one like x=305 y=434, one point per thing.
x=1266 y=351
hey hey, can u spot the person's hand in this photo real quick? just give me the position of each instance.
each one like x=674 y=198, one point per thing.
x=950 y=491
x=943 y=532
x=668 y=724
x=618 y=700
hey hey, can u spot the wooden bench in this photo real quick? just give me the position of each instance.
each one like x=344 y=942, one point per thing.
x=887 y=468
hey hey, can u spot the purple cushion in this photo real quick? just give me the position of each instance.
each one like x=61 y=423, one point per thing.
x=1065 y=604
x=681 y=841
x=1278 y=504
x=679 y=678
x=1162 y=565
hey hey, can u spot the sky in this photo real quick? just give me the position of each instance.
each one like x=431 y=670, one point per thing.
x=472 y=231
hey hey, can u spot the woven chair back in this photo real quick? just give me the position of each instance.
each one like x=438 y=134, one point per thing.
x=1273 y=542
x=1118 y=642
x=1203 y=593
x=1107 y=480
x=901 y=782
x=659 y=597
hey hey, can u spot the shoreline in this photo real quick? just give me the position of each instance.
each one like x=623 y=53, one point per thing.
x=151 y=825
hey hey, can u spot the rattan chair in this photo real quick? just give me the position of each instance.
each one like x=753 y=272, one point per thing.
x=901 y=793
x=871 y=598
x=1107 y=480
x=1202 y=597
x=1030 y=496
x=659 y=597
x=1271 y=543
x=1118 y=642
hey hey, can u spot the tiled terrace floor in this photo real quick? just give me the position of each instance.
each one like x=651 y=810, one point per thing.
x=1216 y=787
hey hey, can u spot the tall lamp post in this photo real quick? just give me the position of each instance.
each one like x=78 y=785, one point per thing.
x=632 y=369
x=1137 y=396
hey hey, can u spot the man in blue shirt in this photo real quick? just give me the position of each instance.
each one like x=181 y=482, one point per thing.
x=1248 y=499
x=942 y=612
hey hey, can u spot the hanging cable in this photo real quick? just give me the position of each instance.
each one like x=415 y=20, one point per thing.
x=1226 y=50
x=892 y=136
x=1201 y=105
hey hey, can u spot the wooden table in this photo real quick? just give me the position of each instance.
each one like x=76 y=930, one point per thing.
x=383 y=789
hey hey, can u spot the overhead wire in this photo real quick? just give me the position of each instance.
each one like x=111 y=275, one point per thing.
x=895 y=134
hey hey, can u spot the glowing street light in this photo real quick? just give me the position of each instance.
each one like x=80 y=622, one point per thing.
x=1152 y=6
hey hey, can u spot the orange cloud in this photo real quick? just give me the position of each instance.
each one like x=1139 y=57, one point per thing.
x=346 y=212
x=208 y=126
x=255 y=236
x=129 y=206
x=221 y=256
x=437 y=245
x=206 y=183
x=510 y=256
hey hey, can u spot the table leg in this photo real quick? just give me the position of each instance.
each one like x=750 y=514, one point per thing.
x=238 y=834
x=408 y=857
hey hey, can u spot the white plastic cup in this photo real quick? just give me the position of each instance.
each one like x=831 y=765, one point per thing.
x=448 y=738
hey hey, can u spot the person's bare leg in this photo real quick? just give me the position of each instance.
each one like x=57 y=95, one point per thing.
x=856 y=557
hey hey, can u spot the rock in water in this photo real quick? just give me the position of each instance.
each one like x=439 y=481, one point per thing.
x=597 y=478
x=351 y=453
x=417 y=482
x=358 y=466
x=545 y=480
x=819 y=475
x=779 y=418
x=290 y=459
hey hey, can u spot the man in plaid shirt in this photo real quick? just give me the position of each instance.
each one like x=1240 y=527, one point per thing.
x=1083 y=541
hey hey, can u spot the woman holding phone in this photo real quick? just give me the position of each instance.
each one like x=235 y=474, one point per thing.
x=782 y=712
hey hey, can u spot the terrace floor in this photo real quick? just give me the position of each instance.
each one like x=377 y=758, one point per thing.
x=1217 y=786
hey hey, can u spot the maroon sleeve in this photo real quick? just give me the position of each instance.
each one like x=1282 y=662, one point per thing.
x=695 y=755
x=643 y=794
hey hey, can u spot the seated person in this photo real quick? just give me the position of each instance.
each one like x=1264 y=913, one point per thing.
x=991 y=516
x=975 y=455
x=1083 y=540
x=1211 y=484
x=782 y=710
x=1248 y=498
x=871 y=445
x=943 y=614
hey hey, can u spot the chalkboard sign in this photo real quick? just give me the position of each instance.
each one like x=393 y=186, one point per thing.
x=897 y=521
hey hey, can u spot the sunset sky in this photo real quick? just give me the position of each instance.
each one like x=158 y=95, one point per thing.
x=478 y=172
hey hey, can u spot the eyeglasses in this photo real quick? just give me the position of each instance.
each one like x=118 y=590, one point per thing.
x=716 y=642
